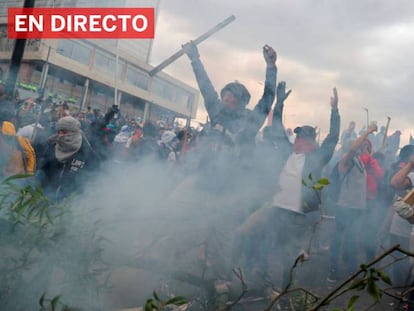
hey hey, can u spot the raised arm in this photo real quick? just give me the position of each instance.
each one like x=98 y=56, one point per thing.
x=400 y=181
x=211 y=98
x=330 y=142
x=262 y=109
x=277 y=125
x=345 y=162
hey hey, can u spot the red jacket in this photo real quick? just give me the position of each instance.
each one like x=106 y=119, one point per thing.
x=374 y=173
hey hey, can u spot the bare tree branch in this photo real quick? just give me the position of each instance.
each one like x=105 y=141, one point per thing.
x=239 y=274
x=300 y=258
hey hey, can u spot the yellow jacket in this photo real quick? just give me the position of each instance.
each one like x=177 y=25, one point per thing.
x=17 y=152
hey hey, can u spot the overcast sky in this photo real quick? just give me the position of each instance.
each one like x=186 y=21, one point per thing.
x=364 y=48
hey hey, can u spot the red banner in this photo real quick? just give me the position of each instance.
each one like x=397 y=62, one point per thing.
x=84 y=23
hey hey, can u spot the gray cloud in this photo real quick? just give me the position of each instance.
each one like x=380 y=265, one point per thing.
x=362 y=47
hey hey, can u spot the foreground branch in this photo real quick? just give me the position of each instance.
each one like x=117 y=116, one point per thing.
x=300 y=258
x=333 y=293
x=239 y=274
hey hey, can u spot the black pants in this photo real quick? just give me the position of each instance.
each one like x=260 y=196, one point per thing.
x=266 y=227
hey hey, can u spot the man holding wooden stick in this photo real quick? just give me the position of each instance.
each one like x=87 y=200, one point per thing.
x=228 y=113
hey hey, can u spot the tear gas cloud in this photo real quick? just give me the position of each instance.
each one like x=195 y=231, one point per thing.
x=139 y=227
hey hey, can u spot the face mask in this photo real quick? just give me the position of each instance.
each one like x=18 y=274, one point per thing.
x=67 y=145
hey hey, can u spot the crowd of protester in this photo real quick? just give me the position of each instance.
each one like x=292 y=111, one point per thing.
x=368 y=171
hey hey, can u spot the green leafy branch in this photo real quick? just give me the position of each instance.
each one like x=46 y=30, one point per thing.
x=365 y=279
x=53 y=304
x=27 y=204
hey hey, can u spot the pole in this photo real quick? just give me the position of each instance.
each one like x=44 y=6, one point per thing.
x=197 y=41
x=366 y=110
x=16 y=58
x=384 y=139
x=45 y=73
x=116 y=80
x=84 y=95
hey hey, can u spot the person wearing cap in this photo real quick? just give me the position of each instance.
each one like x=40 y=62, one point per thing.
x=68 y=161
x=283 y=221
x=228 y=112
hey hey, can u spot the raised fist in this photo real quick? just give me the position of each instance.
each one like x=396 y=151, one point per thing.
x=191 y=50
x=269 y=55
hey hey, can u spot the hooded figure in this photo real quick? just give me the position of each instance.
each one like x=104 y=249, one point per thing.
x=63 y=171
x=69 y=138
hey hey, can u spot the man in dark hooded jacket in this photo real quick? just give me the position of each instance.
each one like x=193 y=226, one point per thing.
x=68 y=161
x=228 y=113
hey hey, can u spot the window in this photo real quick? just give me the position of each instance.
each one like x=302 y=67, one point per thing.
x=75 y=50
x=105 y=62
x=136 y=77
x=173 y=93
x=163 y=89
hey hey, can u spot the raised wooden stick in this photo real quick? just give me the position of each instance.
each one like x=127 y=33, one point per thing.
x=200 y=39
x=384 y=139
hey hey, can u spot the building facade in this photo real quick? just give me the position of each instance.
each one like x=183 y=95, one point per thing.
x=90 y=72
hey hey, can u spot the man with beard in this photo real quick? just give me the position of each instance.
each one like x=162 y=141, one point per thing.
x=68 y=160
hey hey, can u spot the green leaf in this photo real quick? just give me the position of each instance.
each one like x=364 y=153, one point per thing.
x=351 y=303
x=156 y=296
x=54 y=302
x=310 y=176
x=151 y=305
x=374 y=290
x=324 y=181
x=304 y=183
x=385 y=278
x=42 y=299
x=178 y=300
x=358 y=284
x=17 y=176
x=148 y=305
x=318 y=187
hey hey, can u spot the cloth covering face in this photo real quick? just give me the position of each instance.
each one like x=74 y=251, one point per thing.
x=70 y=143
